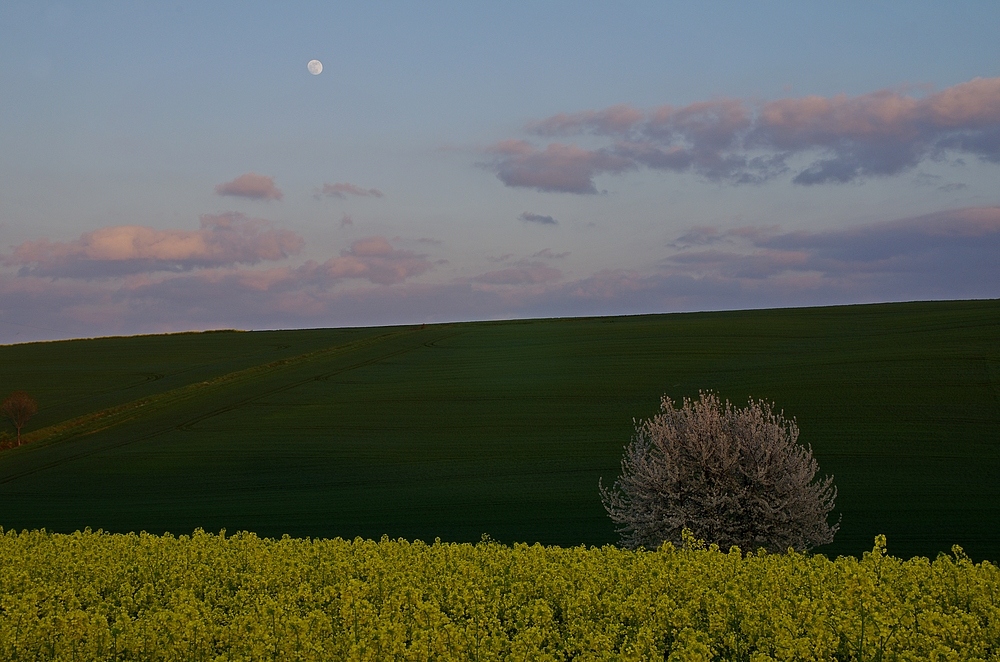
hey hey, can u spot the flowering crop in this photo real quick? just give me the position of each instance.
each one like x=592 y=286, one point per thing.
x=99 y=596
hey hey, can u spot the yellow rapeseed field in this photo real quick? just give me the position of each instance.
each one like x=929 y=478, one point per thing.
x=99 y=596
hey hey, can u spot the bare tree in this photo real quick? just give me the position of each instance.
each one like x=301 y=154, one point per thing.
x=731 y=476
x=19 y=407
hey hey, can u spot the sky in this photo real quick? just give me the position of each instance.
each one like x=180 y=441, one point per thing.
x=175 y=166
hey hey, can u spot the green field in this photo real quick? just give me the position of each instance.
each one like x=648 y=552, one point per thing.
x=455 y=430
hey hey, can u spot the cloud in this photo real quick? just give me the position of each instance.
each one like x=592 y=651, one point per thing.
x=615 y=120
x=734 y=141
x=373 y=259
x=344 y=189
x=346 y=220
x=537 y=218
x=549 y=255
x=946 y=255
x=524 y=273
x=558 y=167
x=702 y=235
x=926 y=256
x=251 y=185
x=223 y=240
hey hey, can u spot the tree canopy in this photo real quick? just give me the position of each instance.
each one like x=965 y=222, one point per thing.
x=731 y=476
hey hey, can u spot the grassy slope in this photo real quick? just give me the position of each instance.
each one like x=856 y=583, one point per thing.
x=455 y=430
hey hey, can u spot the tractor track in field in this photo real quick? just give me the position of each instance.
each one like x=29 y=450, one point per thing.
x=193 y=390
x=151 y=377
x=324 y=376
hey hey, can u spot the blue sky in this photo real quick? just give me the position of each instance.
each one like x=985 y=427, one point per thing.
x=176 y=166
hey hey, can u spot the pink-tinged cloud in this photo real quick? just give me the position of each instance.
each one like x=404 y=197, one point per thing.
x=735 y=141
x=251 y=185
x=374 y=259
x=342 y=190
x=973 y=104
x=947 y=255
x=223 y=240
x=558 y=167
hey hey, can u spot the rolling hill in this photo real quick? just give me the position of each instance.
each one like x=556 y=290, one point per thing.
x=502 y=428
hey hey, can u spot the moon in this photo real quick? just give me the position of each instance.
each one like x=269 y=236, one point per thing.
x=315 y=67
